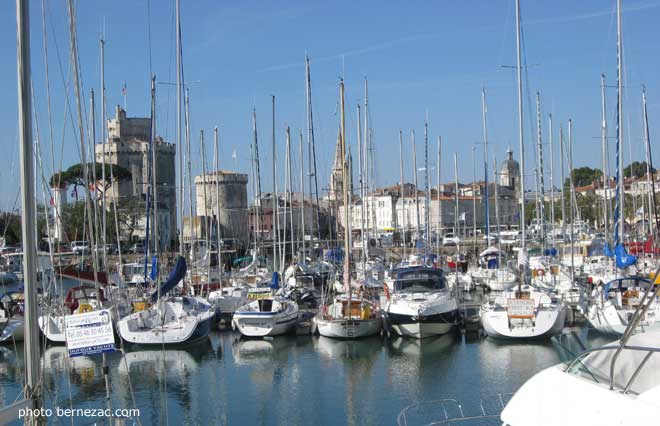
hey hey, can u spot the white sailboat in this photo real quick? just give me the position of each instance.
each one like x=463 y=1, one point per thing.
x=271 y=316
x=348 y=316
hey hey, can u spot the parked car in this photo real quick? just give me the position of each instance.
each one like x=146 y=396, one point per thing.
x=450 y=240
x=137 y=248
x=79 y=247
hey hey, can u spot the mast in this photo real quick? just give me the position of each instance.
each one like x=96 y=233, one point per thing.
x=361 y=177
x=32 y=389
x=257 y=172
x=619 y=230
x=484 y=111
x=497 y=214
x=216 y=154
x=604 y=157
x=563 y=188
x=179 y=146
x=286 y=193
x=403 y=210
x=653 y=224
x=439 y=227
x=276 y=203
x=205 y=177
x=427 y=220
x=367 y=147
x=456 y=229
x=552 y=179
x=302 y=196
x=154 y=165
x=474 y=201
x=419 y=222
x=570 y=166
x=540 y=172
x=347 y=227
x=103 y=177
x=520 y=129
x=190 y=180
x=312 y=146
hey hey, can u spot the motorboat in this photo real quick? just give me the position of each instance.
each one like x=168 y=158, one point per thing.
x=270 y=316
x=421 y=304
x=523 y=313
x=615 y=384
x=12 y=322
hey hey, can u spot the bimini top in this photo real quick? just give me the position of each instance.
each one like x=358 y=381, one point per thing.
x=419 y=279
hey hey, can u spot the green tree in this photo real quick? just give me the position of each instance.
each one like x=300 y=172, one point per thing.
x=10 y=226
x=638 y=169
x=583 y=176
x=74 y=175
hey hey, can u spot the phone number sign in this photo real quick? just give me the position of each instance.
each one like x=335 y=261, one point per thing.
x=89 y=333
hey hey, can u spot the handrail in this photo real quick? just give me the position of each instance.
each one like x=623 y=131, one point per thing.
x=619 y=348
x=637 y=317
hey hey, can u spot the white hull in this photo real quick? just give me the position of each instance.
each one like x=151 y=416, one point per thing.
x=169 y=322
x=250 y=321
x=606 y=319
x=546 y=323
x=422 y=330
x=52 y=326
x=11 y=329
x=348 y=328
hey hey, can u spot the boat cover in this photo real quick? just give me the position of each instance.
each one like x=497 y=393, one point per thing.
x=173 y=278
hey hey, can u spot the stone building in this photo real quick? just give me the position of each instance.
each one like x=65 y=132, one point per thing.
x=510 y=173
x=128 y=146
x=227 y=191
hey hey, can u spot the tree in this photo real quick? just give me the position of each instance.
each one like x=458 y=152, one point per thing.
x=74 y=175
x=73 y=220
x=583 y=176
x=638 y=169
x=130 y=212
x=10 y=226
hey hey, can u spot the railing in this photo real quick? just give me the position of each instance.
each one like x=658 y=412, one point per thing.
x=451 y=411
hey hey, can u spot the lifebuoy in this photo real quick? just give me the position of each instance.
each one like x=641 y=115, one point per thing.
x=387 y=291
x=84 y=308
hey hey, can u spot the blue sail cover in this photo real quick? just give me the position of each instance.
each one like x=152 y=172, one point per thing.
x=275 y=282
x=623 y=259
x=173 y=278
x=154 y=268
x=607 y=251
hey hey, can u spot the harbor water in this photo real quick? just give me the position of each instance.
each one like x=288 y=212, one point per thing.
x=292 y=380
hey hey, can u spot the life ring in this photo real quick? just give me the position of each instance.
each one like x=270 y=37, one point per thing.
x=387 y=291
x=84 y=308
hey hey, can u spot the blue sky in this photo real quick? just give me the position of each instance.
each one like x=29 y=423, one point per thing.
x=420 y=58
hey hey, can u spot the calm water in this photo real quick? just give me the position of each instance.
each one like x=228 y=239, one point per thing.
x=291 y=380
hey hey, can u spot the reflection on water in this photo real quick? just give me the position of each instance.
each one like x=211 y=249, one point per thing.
x=289 y=380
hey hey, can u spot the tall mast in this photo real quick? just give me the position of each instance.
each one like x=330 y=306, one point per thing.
x=312 y=147
x=257 y=172
x=179 y=146
x=426 y=189
x=361 y=180
x=276 y=203
x=205 y=177
x=154 y=163
x=520 y=129
x=347 y=222
x=474 y=201
x=419 y=221
x=103 y=177
x=570 y=166
x=287 y=151
x=653 y=225
x=540 y=172
x=604 y=159
x=456 y=229
x=302 y=196
x=439 y=227
x=366 y=147
x=191 y=207
x=216 y=154
x=497 y=213
x=552 y=179
x=563 y=188
x=619 y=126
x=403 y=210
x=28 y=224
x=484 y=111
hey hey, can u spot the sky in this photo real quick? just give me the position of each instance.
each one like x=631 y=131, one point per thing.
x=422 y=59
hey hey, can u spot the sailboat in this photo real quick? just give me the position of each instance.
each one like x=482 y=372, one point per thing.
x=170 y=320
x=348 y=316
x=12 y=305
x=525 y=312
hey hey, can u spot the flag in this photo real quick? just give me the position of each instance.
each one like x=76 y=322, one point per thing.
x=640 y=211
x=233 y=154
x=123 y=89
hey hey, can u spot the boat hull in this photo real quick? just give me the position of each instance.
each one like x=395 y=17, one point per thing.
x=497 y=324
x=11 y=329
x=348 y=328
x=422 y=326
x=190 y=329
x=261 y=324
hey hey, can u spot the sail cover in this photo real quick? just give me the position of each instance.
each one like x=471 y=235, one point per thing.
x=173 y=278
